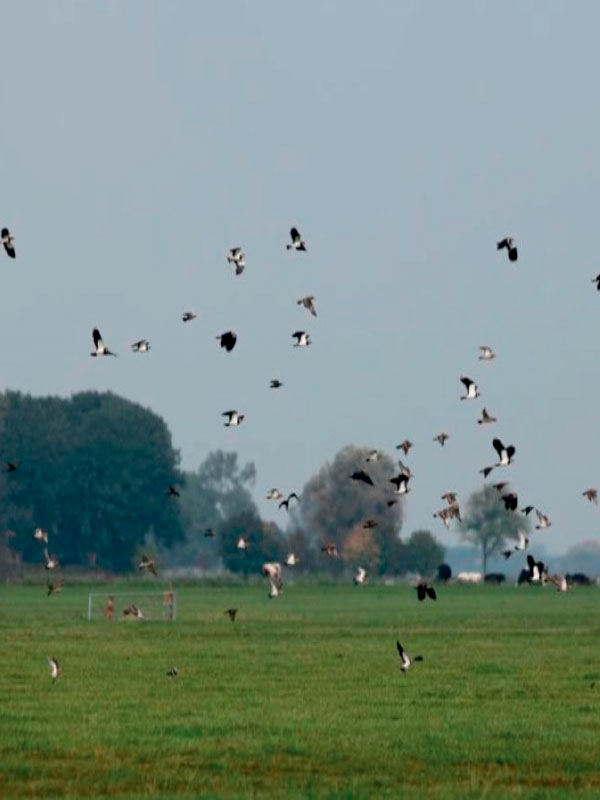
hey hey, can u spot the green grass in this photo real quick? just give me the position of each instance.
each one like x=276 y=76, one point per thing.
x=302 y=696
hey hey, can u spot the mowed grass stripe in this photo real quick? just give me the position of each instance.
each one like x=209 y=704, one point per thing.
x=302 y=697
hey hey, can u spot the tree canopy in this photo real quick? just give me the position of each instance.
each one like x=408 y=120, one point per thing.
x=486 y=524
x=93 y=470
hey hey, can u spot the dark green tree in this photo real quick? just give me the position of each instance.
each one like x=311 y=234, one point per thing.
x=488 y=526
x=423 y=552
x=266 y=543
x=93 y=470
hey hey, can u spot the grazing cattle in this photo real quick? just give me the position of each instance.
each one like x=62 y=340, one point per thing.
x=469 y=577
x=579 y=579
x=495 y=577
x=444 y=573
x=523 y=576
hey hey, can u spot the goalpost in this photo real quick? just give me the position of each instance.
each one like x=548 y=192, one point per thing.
x=133 y=606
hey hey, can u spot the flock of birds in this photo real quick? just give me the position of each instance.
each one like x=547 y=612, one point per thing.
x=537 y=571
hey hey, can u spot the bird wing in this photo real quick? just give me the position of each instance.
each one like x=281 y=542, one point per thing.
x=295 y=234
x=530 y=562
x=467 y=382
x=510 y=451
x=498 y=447
x=97 y=338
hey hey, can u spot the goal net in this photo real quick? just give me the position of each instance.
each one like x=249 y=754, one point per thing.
x=132 y=606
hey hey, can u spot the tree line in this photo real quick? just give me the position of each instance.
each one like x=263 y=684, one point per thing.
x=95 y=470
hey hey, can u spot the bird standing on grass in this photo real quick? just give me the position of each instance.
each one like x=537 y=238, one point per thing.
x=55 y=669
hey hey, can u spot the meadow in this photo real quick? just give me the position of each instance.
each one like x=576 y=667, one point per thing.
x=302 y=697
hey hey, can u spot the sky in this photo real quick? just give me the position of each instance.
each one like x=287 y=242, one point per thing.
x=141 y=140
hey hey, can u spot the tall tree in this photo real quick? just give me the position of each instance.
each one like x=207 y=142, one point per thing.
x=93 y=470
x=424 y=553
x=487 y=525
x=266 y=542
x=218 y=490
x=333 y=508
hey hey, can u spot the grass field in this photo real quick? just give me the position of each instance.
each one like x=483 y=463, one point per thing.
x=302 y=696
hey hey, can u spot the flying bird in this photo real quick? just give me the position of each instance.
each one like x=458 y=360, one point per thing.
x=242 y=543
x=543 y=520
x=509 y=244
x=596 y=280
x=275 y=384
x=522 y=544
x=527 y=510
x=55 y=669
x=442 y=438
x=330 y=549
x=101 y=348
x=471 y=387
x=309 y=304
x=228 y=340
x=537 y=570
x=55 y=588
x=302 y=339
x=505 y=454
x=487 y=354
x=210 y=533
x=424 y=590
x=188 y=316
x=361 y=576
x=361 y=475
x=373 y=456
x=41 y=535
x=486 y=419
x=401 y=484
x=148 y=564
x=370 y=523
x=234 y=418
x=405 y=660
x=51 y=562
x=449 y=497
x=404 y=446
x=10 y=466
x=560 y=582
x=272 y=571
x=592 y=495
x=291 y=560
x=173 y=491
x=274 y=494
x=8 y=241
x=141 y=347
x=486 y=471
x=298 y=242
x=231 y=612
x=286 y=503
x=236 y=256
x=510 y=501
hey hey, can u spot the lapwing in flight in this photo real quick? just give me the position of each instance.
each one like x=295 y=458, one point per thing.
x=471 y=388
x=233 y=418
x=302 y=339
x=509 y=244
x=101 y=348
x=228 y=340
x=236 y=257
x=298 y=242
x=8 y=240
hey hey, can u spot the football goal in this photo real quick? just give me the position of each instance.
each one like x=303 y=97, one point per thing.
x=132 y=606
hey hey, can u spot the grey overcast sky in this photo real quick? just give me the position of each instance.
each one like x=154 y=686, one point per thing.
x=140 y=140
